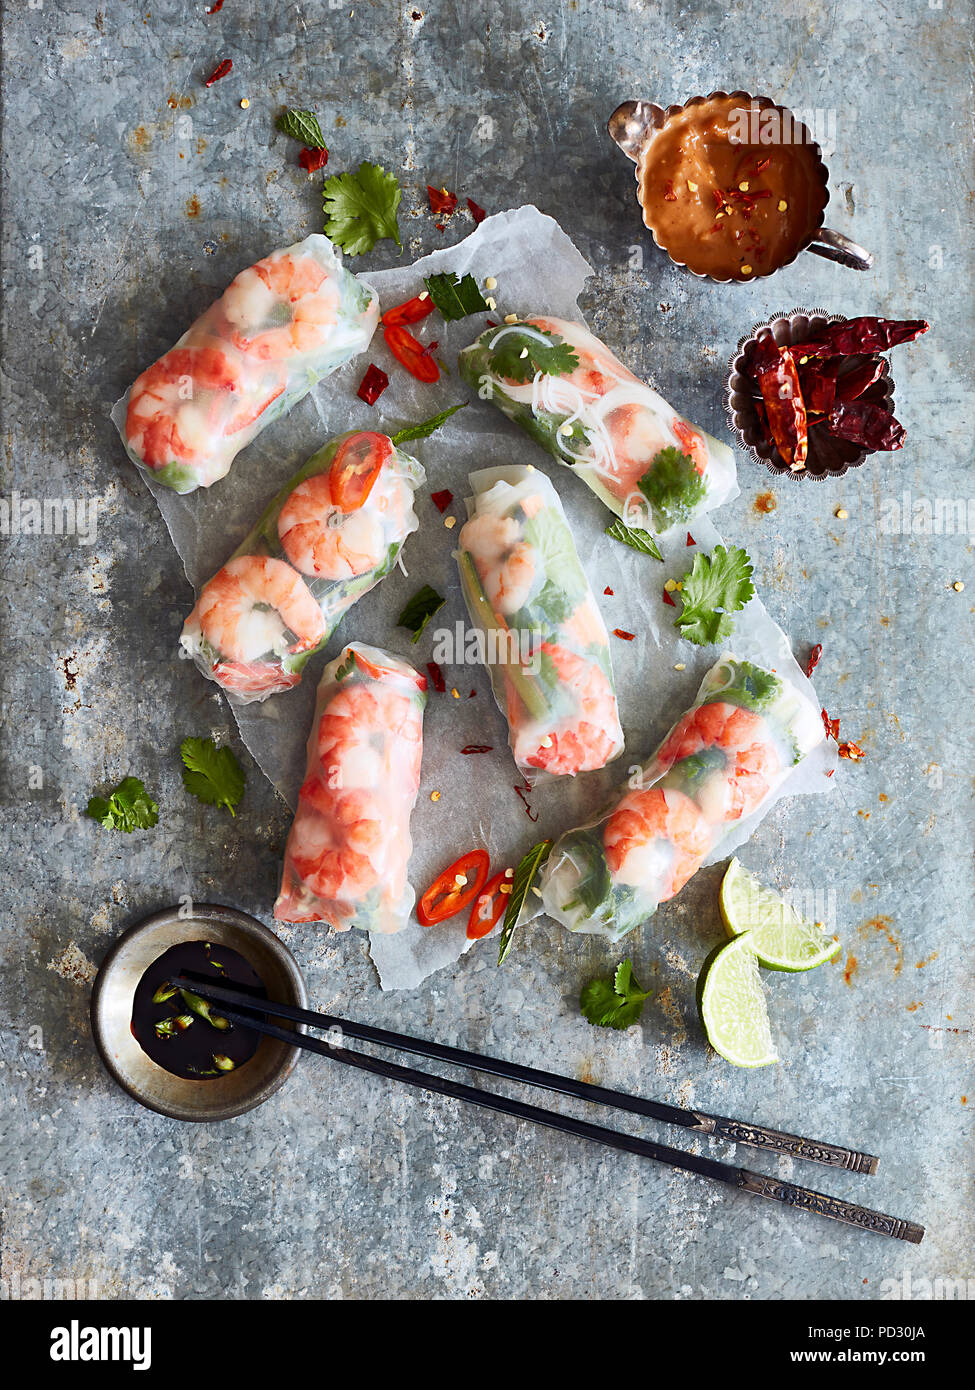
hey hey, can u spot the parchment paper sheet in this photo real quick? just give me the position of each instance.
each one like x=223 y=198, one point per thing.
x=538 y=270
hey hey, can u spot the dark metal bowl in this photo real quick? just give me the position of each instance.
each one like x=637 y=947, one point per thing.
x=828 y=457
x=218 y=1098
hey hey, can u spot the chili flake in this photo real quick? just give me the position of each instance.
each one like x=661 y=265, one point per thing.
x=608 y=591
x=814 y=656
x=436 y=677
x=313 y=160
x=832 y=726
x=621 y=632
x=476 y=212
x=520 y=792
x=477 y=748
x=851 y=750
x=668 y=599
x=690 y=539
x=441 y=201
x=442 y=500
x=372 y=385
x=219 y=71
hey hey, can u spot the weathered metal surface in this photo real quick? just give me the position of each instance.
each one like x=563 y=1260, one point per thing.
x=131 y=193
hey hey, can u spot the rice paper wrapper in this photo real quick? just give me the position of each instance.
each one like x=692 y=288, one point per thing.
x=278 y=329
x=322 y=556
x=538 y=270
x=538 y=627
x=347 y=854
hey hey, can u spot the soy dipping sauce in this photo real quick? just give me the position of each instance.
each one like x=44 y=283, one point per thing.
x=189 y=1049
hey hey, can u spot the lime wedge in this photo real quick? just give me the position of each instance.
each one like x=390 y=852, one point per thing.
x=778 y=935
x=732 y=1005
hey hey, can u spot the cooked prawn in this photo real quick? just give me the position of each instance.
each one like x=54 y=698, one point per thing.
x=656 y=837
x=179 y=403
x=751 y=757
x=588 y=738
x=504 y=559
x=295 y=289
x=254 y=607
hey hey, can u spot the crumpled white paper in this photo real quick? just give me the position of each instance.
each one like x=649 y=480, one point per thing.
x=538 y=270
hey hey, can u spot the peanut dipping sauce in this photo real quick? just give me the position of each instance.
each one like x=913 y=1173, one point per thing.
x=725 y=201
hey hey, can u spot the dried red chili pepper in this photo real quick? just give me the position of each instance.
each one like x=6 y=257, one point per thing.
x=478 y=748
x=440 y=200
x=865 y=424
x=774 y=372
x=814 y=657
x=476 y=211
x=817 y=381
x=626 y=636
x=436 y=677
x=851 y=750
x=313 y=160
x=869 y=334
x=442 y=500
x=219 y=71
x=851 y=384
x=372 y=385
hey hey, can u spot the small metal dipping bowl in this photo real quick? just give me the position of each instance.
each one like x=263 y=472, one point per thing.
x=633 y=126
x=217 y=1098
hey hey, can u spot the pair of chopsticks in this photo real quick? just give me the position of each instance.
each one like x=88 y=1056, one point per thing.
x=249 y=1012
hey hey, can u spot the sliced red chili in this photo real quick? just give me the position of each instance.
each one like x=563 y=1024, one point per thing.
x=410 y=354
x=441 y=200
x=313 y=159
x=454 y=889
x=219 y=71
x=372 y=385
x=489 y=906
x=355 y=468
x=411 y=312
x=476 y=211
x=442 y=500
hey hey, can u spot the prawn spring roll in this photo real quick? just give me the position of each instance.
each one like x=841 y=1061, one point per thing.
x=349 y=845
x=327 y=538
x=542 y=636
x=719 y=766
x=566 y=389
x=279 y=327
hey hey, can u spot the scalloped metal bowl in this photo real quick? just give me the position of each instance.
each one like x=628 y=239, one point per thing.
x=218 y=1098
x=828 y=457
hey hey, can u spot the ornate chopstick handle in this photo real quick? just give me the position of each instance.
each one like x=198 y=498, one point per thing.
x=779 y=1142
x=763 y=1186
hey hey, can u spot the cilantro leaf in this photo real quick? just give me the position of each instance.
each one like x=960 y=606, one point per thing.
x=455 y=298
x=672 y=486
x=303 y=126
x=519 y=355
x=360 y=208
x=426 y=427
x=213 y=775
x=634 y=537
x=129 y=807
x=718 y=585
x=420 y=609
x=747 y=685
x=614 y=1001
x=520 y=884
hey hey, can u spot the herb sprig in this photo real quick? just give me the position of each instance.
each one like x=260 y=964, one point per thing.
x=614 y=1001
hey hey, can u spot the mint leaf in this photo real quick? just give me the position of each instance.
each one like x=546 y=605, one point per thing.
x=360 y=208
x=426 y=427
x=303 y=126
x=455 y=298
x=614 y=1002
x=635 y=538
x=420 y=610
x=129 y=807
x=213 y=775
x=518 y=356
x=718 y=585
x=520 y=884
x=672 y=486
